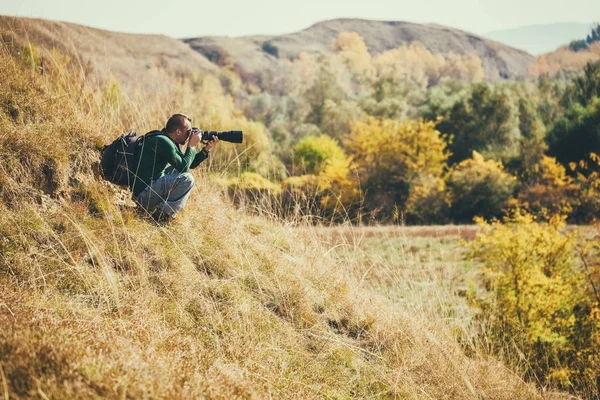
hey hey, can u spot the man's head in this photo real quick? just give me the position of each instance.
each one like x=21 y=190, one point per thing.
x=179 y=127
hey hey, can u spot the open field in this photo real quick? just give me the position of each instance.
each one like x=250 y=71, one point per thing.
x=421 y=268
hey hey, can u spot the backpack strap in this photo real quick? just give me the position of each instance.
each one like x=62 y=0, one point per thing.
x=140 y=140
x=154 y=133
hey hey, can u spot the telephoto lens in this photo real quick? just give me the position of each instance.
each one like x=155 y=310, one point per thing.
x=226 y=136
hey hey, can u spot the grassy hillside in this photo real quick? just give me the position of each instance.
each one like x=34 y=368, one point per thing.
x=134 y=60
x=96 y=301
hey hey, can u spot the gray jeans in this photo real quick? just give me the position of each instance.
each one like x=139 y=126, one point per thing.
x=167 y=193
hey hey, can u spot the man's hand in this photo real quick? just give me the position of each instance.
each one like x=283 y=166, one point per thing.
x=194 y=138
x=211 y=143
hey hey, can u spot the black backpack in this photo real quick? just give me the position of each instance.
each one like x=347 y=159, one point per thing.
x=118 y=158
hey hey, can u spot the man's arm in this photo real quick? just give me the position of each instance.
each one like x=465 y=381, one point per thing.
x=169 y=151
x=200 y=156
x=203 y=154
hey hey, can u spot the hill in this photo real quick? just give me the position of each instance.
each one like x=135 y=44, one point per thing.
x=130 y=58
x=539 y=39
x=256 y=53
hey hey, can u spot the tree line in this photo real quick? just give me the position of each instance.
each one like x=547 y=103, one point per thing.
x=419 y=137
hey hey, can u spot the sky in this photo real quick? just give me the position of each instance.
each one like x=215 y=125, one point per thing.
x=189 y=18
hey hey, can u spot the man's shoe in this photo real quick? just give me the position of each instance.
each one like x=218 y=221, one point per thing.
x=161 y=217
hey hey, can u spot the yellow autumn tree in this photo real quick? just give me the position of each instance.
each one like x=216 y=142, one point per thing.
x=467 y=68
x=351 y=49
x=550 y=191
x=409 y=63
x=588 y=180
x=391 y=156
x=415 y=63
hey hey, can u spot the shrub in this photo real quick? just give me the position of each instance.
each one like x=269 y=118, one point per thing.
x=328 y=187
x=427 y=202
x=313 y=153
x=540 y=318
x=270 y=48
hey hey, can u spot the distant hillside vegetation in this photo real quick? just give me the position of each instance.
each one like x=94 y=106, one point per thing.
x=571 y=57
x=255 y=53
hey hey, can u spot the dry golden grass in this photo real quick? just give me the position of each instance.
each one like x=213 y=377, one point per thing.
x=97 y=301
x=135 y=60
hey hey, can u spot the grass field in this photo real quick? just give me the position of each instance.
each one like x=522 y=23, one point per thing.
x=420 y=268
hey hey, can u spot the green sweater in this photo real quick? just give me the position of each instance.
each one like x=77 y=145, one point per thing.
x=155 y=155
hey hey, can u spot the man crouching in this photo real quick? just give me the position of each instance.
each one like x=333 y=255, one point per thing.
x=162 y=182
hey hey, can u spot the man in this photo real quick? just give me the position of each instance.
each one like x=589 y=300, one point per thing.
x=162 y=183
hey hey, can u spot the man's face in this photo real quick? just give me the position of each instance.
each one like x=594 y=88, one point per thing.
x=183 y=134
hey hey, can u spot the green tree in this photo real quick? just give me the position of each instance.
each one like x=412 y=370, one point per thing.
x=577 y=134
x=585 y=87
x=578 y=45
x=483 y=122
x=532 y=145
x=594 y=35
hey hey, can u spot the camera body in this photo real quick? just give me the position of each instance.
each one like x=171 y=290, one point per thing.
x=226 y=136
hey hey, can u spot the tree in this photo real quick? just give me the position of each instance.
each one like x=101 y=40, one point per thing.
x=532 y=134
x=339 y=118
x=351 y=49
x=577 y=134
x=484 y=122
x=391 y=155
x=325 y=87
x=585 y=87
x=414 y=63
x=478 y=187
x=594 y=35
x=313 y=153
x=578 y=45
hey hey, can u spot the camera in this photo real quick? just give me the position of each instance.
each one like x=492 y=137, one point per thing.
x=226 y=136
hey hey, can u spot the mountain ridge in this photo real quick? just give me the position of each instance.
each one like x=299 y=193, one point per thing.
x=499 y=61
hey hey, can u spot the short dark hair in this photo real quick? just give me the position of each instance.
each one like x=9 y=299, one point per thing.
x=177 y=121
